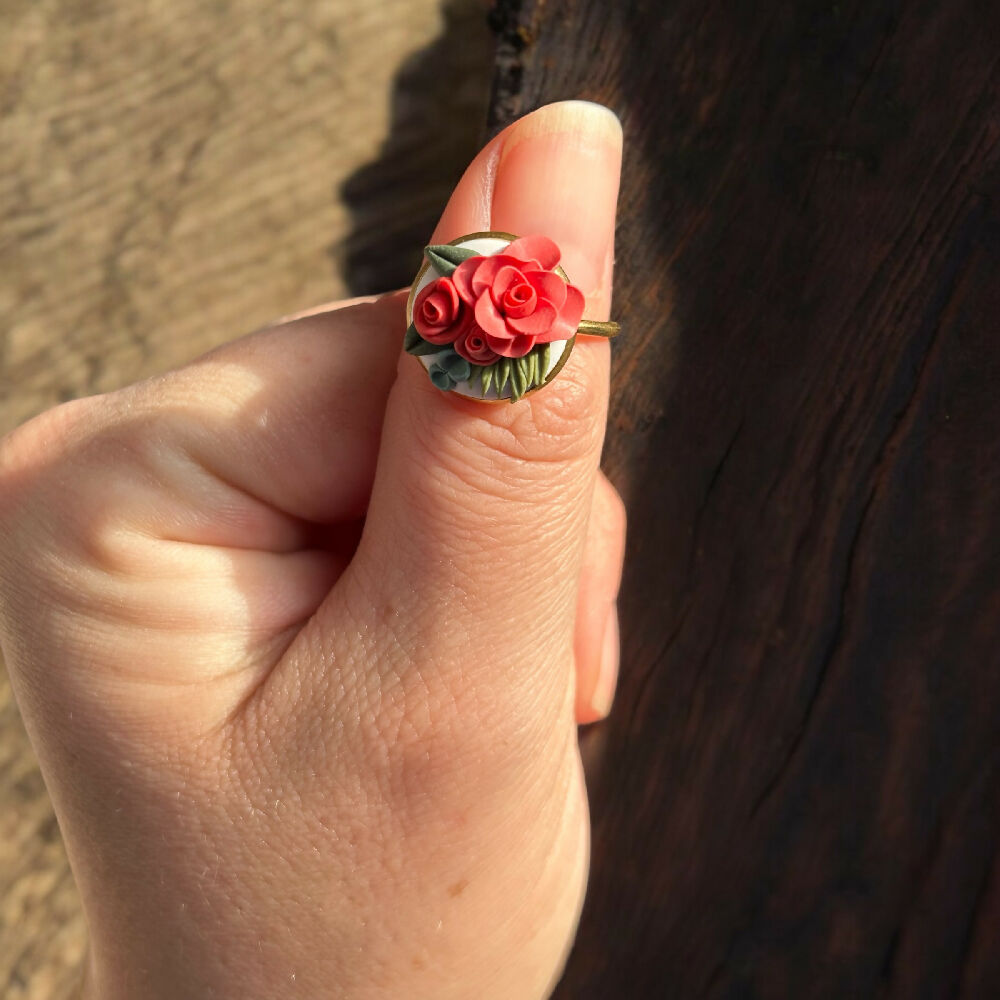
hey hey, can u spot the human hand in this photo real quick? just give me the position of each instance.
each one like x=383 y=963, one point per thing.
x=301 y=641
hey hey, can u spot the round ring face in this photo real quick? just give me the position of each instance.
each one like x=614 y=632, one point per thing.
x=469 y=347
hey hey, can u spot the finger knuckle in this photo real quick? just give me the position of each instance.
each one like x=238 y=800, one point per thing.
x=41 y=443
x=60 y=485
x=559 y=424
x=536 y=450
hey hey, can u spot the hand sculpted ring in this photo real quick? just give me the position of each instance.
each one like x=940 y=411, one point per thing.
x=492 y=316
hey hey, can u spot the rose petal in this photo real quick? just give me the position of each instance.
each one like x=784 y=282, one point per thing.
x=490 y=267
x=435 y=311
x=536 y=248
x=440 y=335
x=473 y=347
x=537 y=323
x=558 y=331
x=568 y=319
x=572 y=310
x=490 y=320
x=462 y=278
x=520 y=300
x=517 y=347
x=505 y=277
x=418 y=302
x=549 y=286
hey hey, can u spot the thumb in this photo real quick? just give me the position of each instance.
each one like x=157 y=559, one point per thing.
x=478 y=515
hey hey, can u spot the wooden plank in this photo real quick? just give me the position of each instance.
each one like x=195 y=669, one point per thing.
x=798 y=792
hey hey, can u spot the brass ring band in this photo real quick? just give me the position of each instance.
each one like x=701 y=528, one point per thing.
x=598 y=328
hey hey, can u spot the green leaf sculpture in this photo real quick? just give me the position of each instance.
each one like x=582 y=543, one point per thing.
x=518 y=377
x=502 y=374
x=544 y=360
x=533 y=369
x=444 y=258
x=413 y=343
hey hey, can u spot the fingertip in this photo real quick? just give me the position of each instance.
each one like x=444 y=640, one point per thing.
x=596 y=123
x=558 y=174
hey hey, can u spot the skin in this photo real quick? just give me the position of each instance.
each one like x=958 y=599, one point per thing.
x=302 y=654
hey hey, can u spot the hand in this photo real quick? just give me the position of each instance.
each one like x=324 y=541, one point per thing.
x=301 y=641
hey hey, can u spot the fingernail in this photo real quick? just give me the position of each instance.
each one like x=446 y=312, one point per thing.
x=558 y=174
x=587 y=118
x=607 y=678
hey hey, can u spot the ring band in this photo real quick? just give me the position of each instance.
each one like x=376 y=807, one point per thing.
x=598 y=328
x=492 y=316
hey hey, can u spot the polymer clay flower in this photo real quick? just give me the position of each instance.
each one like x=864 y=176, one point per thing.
x=471 y=344
x=492 y=316
x=438 y=312
x=517 y=297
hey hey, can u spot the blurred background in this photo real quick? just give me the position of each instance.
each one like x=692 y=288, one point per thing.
x=173 y=175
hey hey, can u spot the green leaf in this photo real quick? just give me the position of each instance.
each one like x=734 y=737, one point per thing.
x=411 y=339
x=441 y=379
x=519 y=377
x=419 y=346
x=487 y=378
x=502 y=374
x=444 y=258
x=544 y=360
x=532 y=369
x=426 y=348
x=526 y=371
x=457 y=367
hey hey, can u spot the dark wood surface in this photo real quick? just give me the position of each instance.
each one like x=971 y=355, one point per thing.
x=798 y=792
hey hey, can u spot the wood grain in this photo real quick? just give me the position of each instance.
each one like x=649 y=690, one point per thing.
x=174 y=175
x=798 y=792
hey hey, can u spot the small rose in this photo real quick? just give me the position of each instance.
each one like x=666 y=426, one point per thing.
x=517 y=297
x=437 y=312
x=471 y=344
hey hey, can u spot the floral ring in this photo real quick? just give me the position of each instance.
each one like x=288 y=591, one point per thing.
x=492 y=316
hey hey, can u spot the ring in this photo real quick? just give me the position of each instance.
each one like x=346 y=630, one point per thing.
x=493 y=316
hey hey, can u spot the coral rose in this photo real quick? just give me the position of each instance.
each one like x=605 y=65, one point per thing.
x=517 y=298
x=438 y=312
x=471 y=344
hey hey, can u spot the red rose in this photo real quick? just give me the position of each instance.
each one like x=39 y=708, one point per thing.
x=471 y=344
x=517 y=298
x=437 y=312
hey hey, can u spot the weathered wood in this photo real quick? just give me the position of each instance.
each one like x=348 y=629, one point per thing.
x=798 y=792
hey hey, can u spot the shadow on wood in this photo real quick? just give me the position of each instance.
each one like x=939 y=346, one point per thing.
x=438 y=106
x=798 y=792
